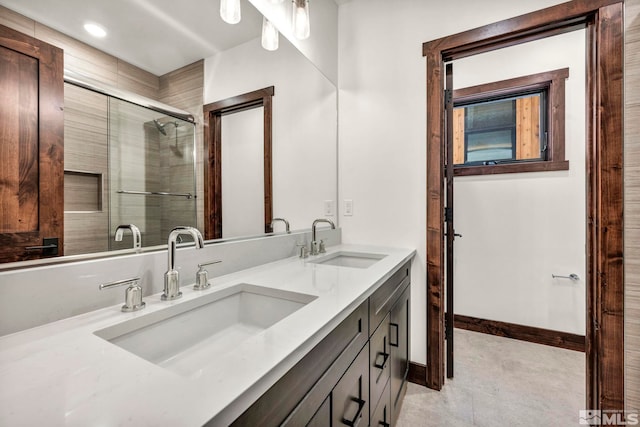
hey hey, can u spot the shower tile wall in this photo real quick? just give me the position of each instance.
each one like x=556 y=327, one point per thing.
x=86 y=184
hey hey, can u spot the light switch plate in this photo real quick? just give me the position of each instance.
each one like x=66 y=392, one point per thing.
x=348 y=207
x=328 y=208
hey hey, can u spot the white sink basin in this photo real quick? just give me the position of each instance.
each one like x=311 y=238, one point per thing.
x=186 y=337
x=349 y=259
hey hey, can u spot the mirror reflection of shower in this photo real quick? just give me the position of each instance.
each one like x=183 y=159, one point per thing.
x=161 y=128
x=152 y=175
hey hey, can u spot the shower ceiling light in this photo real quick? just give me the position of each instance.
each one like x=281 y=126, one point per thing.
x=230 y=11
x=270 y=35
x=300 y=16
x=95 y=30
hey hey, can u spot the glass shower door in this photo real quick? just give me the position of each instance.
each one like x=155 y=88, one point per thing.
x=151 y=172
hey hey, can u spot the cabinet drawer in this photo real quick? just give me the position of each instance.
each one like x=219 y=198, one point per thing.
x=381 y=416
x=350 y=397
x=379 y=362
x=382 y=300
x=305 y=386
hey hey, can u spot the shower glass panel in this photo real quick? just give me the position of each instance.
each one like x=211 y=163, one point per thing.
x=152 y=173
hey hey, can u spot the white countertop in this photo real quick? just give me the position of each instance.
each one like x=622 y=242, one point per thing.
x=61 y=374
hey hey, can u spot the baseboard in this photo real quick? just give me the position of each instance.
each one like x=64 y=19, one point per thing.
x=417 y=373
x=520 y=332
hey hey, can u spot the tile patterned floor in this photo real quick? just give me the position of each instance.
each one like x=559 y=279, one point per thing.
x=502 y=382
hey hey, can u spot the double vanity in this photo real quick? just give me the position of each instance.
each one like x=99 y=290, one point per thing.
x=321 y=340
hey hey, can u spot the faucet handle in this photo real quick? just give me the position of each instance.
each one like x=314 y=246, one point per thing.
x=202 y=278
x=321 y=248
x=132 y=296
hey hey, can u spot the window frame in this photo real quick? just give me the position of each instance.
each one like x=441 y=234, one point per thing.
x=551 y=82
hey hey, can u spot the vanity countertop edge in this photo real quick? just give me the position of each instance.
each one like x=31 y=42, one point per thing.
x=61 y=373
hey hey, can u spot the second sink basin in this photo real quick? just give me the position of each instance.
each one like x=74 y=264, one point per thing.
x=349 y=259
x=188 y=336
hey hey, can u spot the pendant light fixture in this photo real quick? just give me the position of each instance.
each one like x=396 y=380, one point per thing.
x=270 y=35
x=300 y=16
x=230 y=11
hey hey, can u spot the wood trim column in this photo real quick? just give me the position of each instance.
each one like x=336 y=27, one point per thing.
x=435 y=221
x=606 y=168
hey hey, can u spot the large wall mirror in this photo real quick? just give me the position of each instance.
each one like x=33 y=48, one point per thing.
x=304 y=119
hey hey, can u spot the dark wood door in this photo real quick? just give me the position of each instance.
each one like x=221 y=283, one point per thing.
x=31 y=148
x=448 y=217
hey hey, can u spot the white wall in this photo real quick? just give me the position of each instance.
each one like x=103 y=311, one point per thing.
x=304 y=122
x=519 y=229
x=382 y=135
x=243 y=173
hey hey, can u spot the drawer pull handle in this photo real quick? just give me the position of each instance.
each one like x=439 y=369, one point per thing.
x=384 y=424
x=395 y=325
x=358 y=417
x=385 y=357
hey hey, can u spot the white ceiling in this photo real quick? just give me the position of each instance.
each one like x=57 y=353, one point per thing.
x=156 y=35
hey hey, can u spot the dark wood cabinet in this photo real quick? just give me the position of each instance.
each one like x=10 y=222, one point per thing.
x=381 y=416
x=389 y=322
x=399 y=359
x=350 y=397
x=322 y=418
x=356 y=376
x=295 y=398
x=379 y=363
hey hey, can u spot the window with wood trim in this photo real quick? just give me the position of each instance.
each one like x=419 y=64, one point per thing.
x=514 y=125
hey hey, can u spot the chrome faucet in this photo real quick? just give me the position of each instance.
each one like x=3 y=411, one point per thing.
x=286 y=224
x=135 y=231
x=172 y=276
x=315 y=247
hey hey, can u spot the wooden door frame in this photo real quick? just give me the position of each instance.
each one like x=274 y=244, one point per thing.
x=213 y=168
x=603 y=20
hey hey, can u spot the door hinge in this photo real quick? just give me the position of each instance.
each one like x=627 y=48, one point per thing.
x=448 y=214
x=448 y=96
x=448 y=328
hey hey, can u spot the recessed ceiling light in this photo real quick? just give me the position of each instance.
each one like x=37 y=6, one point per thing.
x=95 y=30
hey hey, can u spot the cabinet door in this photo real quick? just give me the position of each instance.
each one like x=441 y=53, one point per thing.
x=31 y=148
x=379 y=363
x=399 y=339
x=322 y=418
x=350 y=397
x=381 y=416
